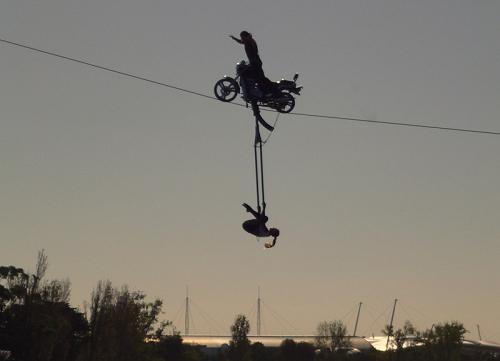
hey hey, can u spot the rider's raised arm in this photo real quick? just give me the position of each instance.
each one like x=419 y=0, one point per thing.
x=236 y=39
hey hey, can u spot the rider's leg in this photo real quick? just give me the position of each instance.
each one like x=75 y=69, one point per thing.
x=256 y=113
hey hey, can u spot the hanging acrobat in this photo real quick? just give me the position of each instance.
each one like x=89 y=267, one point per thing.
x=257 y=226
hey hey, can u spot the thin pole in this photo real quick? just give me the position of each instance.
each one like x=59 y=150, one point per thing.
x=357 y=319
x=186 y=314
x=258 y=313
x=390 y=325
x=479 y=332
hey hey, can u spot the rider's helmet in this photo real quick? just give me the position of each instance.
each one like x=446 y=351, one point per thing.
x=245 y=35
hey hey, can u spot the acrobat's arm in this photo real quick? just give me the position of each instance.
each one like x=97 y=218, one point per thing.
x=236 y=39
x=271 y=245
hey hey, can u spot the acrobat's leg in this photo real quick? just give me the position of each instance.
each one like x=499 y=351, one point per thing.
x=256 y=113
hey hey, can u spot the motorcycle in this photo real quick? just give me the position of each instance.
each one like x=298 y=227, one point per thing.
x=279 y=99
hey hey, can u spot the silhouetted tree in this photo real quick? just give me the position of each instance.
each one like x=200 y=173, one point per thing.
x=120 y=321
x=259 y=352
x=305 y=351
x=170 y=348
x=443 y=342
x=332 y=335
x=401 y=338
x=292 y=351
x=191 y=353
x=388 y=330
x=288 y=350
x=239 y=346
x=409 y=329
x=36 y=320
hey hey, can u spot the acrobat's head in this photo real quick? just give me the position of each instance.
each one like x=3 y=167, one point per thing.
x=275 y=232
x=245 y=35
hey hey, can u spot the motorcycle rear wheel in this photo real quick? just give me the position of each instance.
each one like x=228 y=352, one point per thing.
x=226 y=89
x=286 y=103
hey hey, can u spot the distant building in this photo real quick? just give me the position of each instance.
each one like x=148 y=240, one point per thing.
x=214 y=343
x=211 y=344
x=486 y=347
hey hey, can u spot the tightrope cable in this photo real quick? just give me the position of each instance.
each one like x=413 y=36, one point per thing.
x=173 y=87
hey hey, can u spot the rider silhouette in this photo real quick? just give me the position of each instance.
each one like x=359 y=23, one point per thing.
x=255 y=71
x=258 y=227
x=252 y=51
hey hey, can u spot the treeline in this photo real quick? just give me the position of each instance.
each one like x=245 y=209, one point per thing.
x=442 y=342
x=37 y=323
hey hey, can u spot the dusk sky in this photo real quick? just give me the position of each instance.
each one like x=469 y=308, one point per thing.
x=120 y=179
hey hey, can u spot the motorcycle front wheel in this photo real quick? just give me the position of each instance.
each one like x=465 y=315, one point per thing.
x=286 y=103
x=226 y=89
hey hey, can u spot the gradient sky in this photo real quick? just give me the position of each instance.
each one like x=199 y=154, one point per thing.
x=124 y=180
